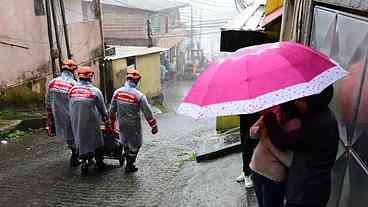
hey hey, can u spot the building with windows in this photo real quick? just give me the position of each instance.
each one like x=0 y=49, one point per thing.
x=143 y=23
x=126 y=22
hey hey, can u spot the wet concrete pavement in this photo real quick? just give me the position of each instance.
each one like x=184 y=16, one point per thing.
x=34 y=171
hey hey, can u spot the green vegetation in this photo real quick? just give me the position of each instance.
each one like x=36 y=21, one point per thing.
x=23 y=96
x=185 y=157
x=3 y=123
x=161 y=107
x=14 y=135
x=191 y=157
x=13 y=115
x=10 y=117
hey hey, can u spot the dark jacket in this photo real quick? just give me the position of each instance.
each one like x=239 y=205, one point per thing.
x=315 y=147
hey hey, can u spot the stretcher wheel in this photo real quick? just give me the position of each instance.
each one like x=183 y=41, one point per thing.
x=84 y=169
x=121 y=160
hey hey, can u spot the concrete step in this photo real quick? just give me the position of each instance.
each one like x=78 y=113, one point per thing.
x=218 y=146
x=8 y=125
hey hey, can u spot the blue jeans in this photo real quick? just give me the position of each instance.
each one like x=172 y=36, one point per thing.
x=269 y=193
x=247 y=144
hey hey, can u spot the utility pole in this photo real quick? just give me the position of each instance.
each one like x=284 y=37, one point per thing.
x=149 y=33
x=49 y=32
x=54 y=18
x=101 y=62
x=62 y=8
x=200 y=51
x=200 y=29
x=191 y=32
x=99 y=15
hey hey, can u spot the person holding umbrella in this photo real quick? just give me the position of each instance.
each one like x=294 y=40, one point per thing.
x=272 y=74
x=247 y=147
x=314 y=145
x=269 y=164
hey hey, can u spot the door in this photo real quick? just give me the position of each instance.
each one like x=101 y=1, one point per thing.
x=344 y=37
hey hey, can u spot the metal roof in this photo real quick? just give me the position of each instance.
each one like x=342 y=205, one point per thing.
x=128 y=51
x=149 y=5
x=249 y=19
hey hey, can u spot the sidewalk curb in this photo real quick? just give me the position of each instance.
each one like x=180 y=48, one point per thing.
x=229 y=149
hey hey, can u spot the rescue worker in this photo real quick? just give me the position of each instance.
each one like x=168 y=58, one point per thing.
x=87 y=111
x=59 y=123
x=126 y=105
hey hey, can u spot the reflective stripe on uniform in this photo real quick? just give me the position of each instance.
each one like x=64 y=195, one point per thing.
x=60 y=85
x=126 y=97
x=82 y=93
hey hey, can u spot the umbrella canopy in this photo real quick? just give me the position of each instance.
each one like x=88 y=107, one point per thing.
x=259 y=77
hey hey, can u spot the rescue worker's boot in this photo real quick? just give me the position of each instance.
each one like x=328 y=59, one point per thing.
x=122 y=155
x=87 y=161
x=130 y=167
x=100 y=165
x=74 y=158
x=85 y=166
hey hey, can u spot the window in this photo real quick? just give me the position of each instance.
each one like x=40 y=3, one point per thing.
x=155 y=24
x=166 y=24
x=130 y=61
x=39 y=8
x=173 y=19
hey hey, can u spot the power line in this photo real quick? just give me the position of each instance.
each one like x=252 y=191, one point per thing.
x=213 y=4
x=142 y=29
x=184 y=35
x=207 y=9
x=173 y=26
x=188 y=35
x=209 y=3
x=124 y=3
x=142 y=21
x=183 y=17
x=131 y=19
x=207 y=19
x=136 y=27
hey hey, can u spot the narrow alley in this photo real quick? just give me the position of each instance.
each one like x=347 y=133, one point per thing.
x=36 y=170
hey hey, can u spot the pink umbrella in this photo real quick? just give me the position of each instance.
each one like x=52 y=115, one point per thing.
x=259 y=77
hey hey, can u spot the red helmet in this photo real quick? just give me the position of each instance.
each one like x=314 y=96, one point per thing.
x=69 y=64
x=85 y=72
x=133 y=74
